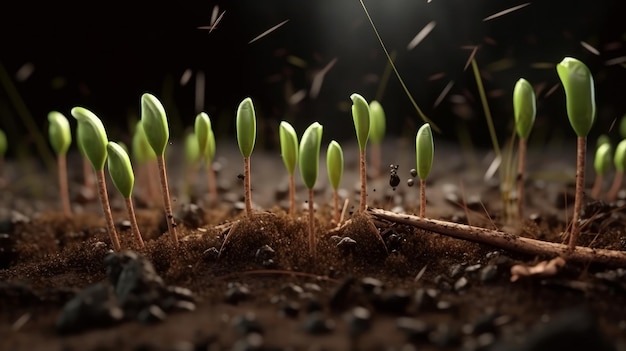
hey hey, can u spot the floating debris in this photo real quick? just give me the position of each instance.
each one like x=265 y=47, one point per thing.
x=421 y=35
x=268 y=31
x=590 y=48
x=505 y=12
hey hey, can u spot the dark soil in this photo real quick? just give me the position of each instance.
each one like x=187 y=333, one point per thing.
x=237 y=282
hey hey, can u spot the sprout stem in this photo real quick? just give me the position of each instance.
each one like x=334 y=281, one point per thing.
x=597 y=186
x=615 y=186
x=520 y=176
x=212 y=183
x=63 y=188
x=106 y=208
x=246 y=185
x=87 y=174
x=311 y=224
x=169 y=215
x=375 y=159
x=580 y=184
x=336 y=206
x=423 y=198
x=133 y=222
x=363 y=173
x=292 y=195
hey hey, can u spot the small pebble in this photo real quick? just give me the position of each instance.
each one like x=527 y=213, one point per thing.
x=316 y=323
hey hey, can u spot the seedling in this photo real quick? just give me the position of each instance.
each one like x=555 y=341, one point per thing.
x=60 y=137
x=146 y=161
x=361 y=118
x=619 y=160
x=192 y=159
x=309 y=165
x=3 y=149
x=425 y=152
x=289 y=153
x=581 y=110
x=121 y=172
x=525 y=109
x=377 y=134
x=154 y=123
x=601 y=164
x=206 y=147
x=92 y=138
x=246 y=137
x=334 y=166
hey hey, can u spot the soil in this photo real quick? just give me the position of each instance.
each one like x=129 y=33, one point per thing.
x=248 y=282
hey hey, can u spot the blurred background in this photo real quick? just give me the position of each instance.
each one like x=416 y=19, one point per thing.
x=201 y=56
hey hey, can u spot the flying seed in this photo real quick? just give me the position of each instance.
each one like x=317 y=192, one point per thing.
x=213 y=25
x=615 y=61
x=421 y=35
x=268 y=31
x=297 y=97
x=552 y=90
x=443 y=93
x=184 y=79
x=590 y=48
x=436 y=76
x=318 y=79
x=505 y=12
x=216 y=10
x=471 y=57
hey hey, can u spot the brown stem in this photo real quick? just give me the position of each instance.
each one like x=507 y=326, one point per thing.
x=133 y=222
x=521 y=168
x=422 y=198
x=212 y=183
x=506 y=241
x=106 y=208
x=375 y=159
x=64 y=193
x=336 y=206
x=617 y=183
x=169 y=215
x=580 y=190
x=311 y=224
x=597 y=186
x=292 y=195
x=246 y=185
x=363 y=173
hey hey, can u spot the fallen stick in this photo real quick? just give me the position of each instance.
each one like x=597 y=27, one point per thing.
x=505 y=240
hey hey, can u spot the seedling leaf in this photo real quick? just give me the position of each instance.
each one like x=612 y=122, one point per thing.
x=525 y=108
x=603 y=157
x=142 y=151
x=154 y=123
x=201 y=129
x=210 y=146
x=424 y=150
x=120 y=169
x=288 y=146
x=619 y=160
x=246 y=127
x=580 y=95
x=377 y=122
x=334 y=163
x=310 y=154
x=91 y=137
x=59 y=132
x=192 y=149
x=361 y=118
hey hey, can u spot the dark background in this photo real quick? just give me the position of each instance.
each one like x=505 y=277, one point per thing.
x=104 y=55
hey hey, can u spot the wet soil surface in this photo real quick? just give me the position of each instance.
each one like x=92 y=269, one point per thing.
x=249 y=282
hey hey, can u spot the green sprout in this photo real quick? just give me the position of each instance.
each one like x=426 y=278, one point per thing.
x=206 y=145
x=121 y=172
x=92 y=140
x=309 y=167
x=289 y=153
x=154 y=124
x=246 y=137
x=334 y=166
x=525 y=110
x=601 y=164
x=192 y=158
x=619 y=161
x=581 y=111
x=425 y=153
x=145 y=160
x=60 y=136
x=361 y=118
x=377 y=134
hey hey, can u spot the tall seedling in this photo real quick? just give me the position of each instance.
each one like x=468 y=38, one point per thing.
x=60 y=137
x=525 y=109
x=289 y=153
x=206 y=145
x=581 y=110
x=361 y=118
x=246 y=137
x=601 y=164
x=309 y=167
x=121 y=172
x=334 y=166
x=154 y=123
x=425 y=152
x=377 y=134
x=92 y=138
